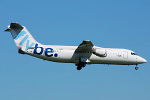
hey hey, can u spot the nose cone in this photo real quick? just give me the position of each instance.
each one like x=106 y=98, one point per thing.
x=141 y=60
x=144 y=60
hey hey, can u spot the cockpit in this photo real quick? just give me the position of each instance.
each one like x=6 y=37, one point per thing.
x=133 y=53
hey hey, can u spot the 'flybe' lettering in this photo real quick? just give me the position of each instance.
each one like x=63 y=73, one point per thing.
x=48 y=51
x=24 y=39
x=22 y=33
x=27 y=44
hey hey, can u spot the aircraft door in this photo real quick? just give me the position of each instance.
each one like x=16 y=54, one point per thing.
x=125 y=54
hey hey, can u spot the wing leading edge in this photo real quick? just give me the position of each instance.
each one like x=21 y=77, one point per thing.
x=86 y=45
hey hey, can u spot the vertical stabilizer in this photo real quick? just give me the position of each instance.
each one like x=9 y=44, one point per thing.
x=23 y=39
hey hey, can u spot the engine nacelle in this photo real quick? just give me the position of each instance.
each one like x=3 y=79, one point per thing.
x=100 y=52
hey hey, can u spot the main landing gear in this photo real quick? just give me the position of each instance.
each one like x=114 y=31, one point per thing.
x=79 y=68
x=80 y=65
x=136 y=68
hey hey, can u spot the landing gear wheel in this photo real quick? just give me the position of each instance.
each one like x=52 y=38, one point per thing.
x=136 y=68
x=79 y=68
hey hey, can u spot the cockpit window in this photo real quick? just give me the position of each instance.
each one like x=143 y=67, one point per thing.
x=132 y=53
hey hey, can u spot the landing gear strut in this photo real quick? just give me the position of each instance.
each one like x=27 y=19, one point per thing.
x=136 y=68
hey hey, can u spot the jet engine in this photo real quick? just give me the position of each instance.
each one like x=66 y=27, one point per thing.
x=100 y=52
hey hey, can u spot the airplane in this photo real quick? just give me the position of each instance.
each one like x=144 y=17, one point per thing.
x=85 y=53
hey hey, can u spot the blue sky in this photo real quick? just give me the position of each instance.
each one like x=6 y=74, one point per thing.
x=107 y=23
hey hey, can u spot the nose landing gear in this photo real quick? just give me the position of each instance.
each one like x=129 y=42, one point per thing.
x=136 y=68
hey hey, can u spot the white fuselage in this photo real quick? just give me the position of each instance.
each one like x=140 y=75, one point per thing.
x=67 y=54
x=85 y=53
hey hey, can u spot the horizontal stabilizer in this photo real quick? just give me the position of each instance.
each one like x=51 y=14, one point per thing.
x=7 y=30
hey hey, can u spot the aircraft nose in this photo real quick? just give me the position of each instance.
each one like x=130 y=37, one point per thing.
x=142 y=60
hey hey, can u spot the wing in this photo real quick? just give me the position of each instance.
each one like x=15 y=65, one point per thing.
x=86 y=45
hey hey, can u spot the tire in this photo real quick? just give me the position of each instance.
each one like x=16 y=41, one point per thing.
x=79 y=68
x=136 y=68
